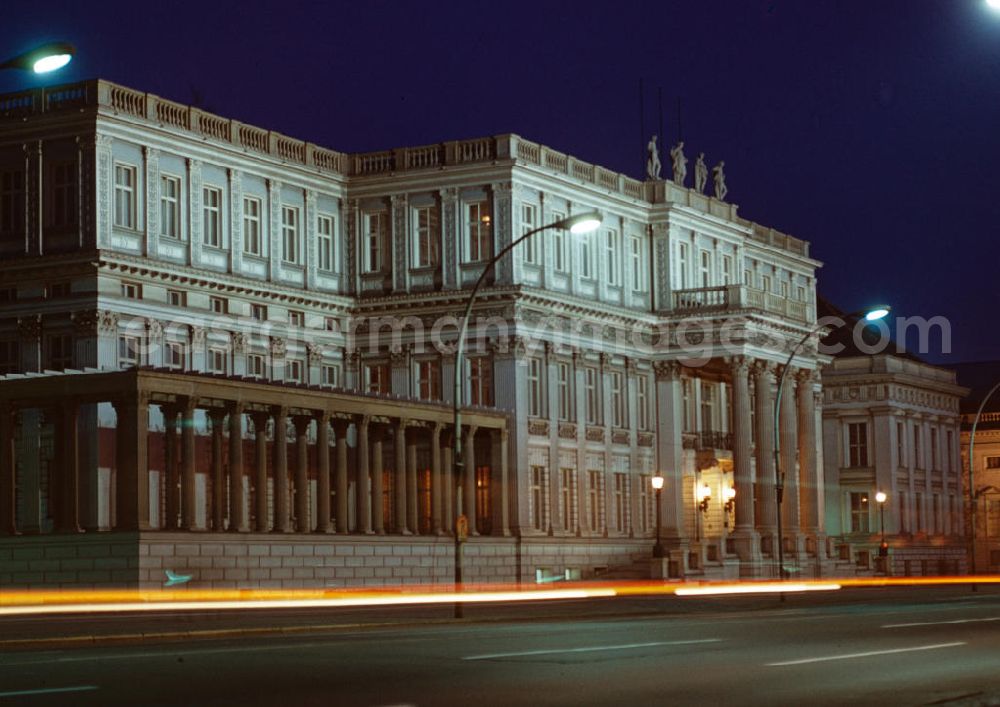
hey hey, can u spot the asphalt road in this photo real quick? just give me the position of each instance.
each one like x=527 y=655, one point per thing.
x=879 y=647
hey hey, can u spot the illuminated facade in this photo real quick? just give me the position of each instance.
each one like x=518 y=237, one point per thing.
x=281 y=306
x=980 y=377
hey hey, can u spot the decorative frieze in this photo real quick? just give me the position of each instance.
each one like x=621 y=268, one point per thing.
x=538 y=427
x=594 y=433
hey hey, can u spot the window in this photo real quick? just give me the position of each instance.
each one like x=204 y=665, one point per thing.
x=295 y=370
x=682 y=266
x=479 y=239
x=705 y=269
x=857 y=444
x=376 y=229
x=586 y=256
x=993 y=462
x=424 y=228
x=128 y=351
x=859 y=512
x=621 y=501
x=595 y=498
x=64 y=194
x=904 y=513
x=800 y=294
x=765 y=283
x=638 y=271
x=642 y=402
x=219 y=305
x=612 y=245
x=331 y=375
x=8 y=294
x=784 y=290
x=131 y=290
x=949 y=450
x=934 y=449
x=919 y=462
x=258 y=312
x=60 y=351
x=748 y=278
x=173 y=356
x=218 y=360
x=377 y=378
x=918 y=503
x=593 y=397
x=644 y=513
x=330 y=324
x=565 y=387
x=59 y=290
x=619 y=417
x=535 y=387
x=252 y=241
x=567 y=500
x=900 y=444
x=428 y=380
x=537 y=494
x=707 y=406
x=170 y=207
x=325 y=243
x=296 y=318
x=727 y=270
x=529 y=223
x=12 y=201
x=687 y=398
x=559 y=259
x=481 y=380
x=255 y=365
x=125 y=196
x=211 y=209
x=10 y=357
x=290 y=234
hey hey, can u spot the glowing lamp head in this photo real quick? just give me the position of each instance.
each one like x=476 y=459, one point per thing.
x=730 y=493
x=993 y=5
x=880 y=497
x=43 y=59
x=581 y=223
x=881 y=311
x=657 y=482
x=704 y=492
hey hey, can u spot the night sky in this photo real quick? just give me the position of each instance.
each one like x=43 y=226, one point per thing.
x=871 y=129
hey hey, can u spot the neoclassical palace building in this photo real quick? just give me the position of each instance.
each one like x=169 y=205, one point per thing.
x=227 y=352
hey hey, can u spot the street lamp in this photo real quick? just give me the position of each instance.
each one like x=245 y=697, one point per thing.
x=883 y=548
x=973 y=496
x=871 y=314
x=577 y=224
x=657 y=482
x=43 y=59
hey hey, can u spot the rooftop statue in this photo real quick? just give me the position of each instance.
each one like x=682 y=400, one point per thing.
x=680 y=162
x=653 y=162
x=700 y=173
x=719 y=177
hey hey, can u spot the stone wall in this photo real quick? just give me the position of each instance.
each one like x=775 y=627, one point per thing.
x=299 y=561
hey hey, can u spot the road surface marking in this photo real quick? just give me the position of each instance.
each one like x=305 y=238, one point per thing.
x=940 y=623
x=48 y=691
x=867 y=654
x=590 y=649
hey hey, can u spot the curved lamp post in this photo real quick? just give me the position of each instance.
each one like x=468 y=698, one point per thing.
x=973 y=496
x=871 y=314
x=579 y=223
x=883 y=548
x=657 y=482
x=43 y=59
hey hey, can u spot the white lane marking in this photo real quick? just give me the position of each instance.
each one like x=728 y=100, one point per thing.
x=867 y=654
x=590 y=649
x=940 y=623
x=49 y=691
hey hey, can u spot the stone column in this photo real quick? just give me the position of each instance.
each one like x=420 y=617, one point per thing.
x=237 y=518
x=767 y=518
x=789 y=457
x=171 y=481
x=436 y=487
x=8 y=515
x=670 y=453
x=68 y=520
x=809 y=483
x=132 y=473
x=447 y=483
x=340 y=486
x=362 y=493
x=399 y=479
x=375 y=487
x=260 y=482
x=282 y=517
x=323 y=524
x=218 y=418
x=745 y=540
x=189 y=513
x=412 y=489
x=470 y=479
x=303 y=523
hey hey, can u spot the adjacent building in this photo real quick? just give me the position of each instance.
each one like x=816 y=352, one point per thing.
x=982 y=491
x=228 y=352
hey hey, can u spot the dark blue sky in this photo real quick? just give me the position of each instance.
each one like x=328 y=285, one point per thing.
x=870 y=129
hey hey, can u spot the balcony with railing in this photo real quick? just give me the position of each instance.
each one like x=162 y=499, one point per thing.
x=732 y=298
